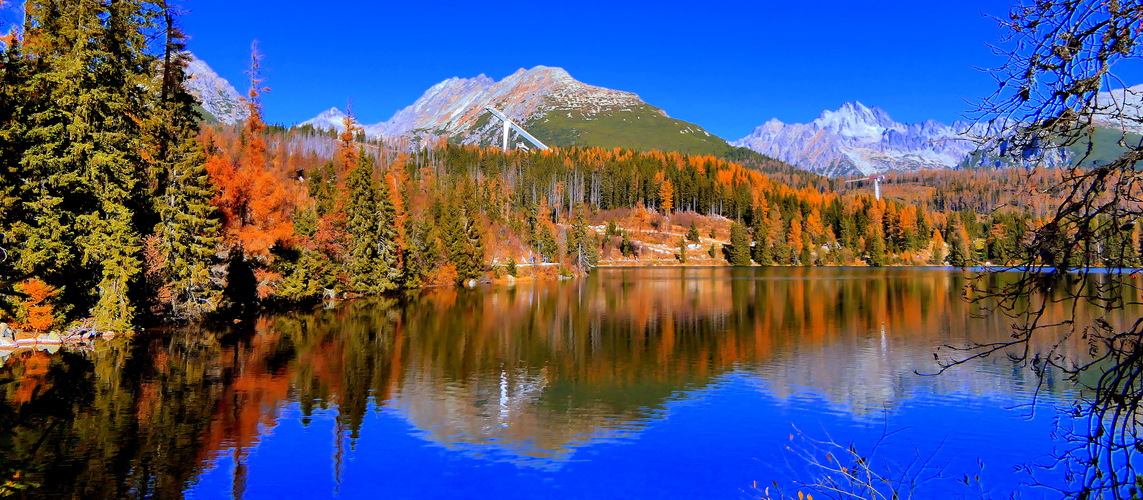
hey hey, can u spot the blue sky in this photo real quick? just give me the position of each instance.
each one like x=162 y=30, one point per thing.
x=728 y=66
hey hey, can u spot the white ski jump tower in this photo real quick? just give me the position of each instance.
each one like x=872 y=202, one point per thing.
x=876 y=184
x=508 y=123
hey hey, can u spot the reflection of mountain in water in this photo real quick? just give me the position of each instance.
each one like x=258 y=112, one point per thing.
x=525 y=375
x=507 y=417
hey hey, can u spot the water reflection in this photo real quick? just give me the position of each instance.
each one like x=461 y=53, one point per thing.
x=526 y=375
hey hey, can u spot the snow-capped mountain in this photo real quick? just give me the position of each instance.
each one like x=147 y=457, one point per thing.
x=218 y=96
x=331 y=118
x=1121 y=109
x=456 y=106
x=856 y=139
x=547 y=101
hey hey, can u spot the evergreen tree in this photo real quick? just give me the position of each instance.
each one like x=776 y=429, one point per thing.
x=739 y=246
x=582 y=246
x=84 y=142
x=463 y=240
x=878 y=250
x=960 y=255
x=190 y=231
x=189 y=226
x=362 y=219
x=13 y=130
x=762 y=252
x=388 y=248
x=693 y=233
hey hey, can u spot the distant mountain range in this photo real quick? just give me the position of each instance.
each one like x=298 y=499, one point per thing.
x=561 y=111
x=857 y=139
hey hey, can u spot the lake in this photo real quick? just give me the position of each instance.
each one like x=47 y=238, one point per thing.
x=630 y=383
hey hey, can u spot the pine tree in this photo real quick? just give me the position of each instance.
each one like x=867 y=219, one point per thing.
x=389 y=249
x=190 y=232
x=878 y=250
x=13 y=104
x=693 y=233
x=189 y=225
x=960 y=255
x=762 y=251
x=739 y=246
x=360 y=224
x=462 y=237
x=373 y=250
x=582 y=246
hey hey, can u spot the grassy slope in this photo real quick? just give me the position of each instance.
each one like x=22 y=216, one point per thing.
x=1105 y=147
x=643 y=128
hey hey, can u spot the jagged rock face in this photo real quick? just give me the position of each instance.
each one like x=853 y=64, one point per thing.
x=856 y=139
x=217 y=95
x=455 y=107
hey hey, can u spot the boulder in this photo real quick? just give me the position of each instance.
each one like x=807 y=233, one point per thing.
x=52 y=338
x=6 y=332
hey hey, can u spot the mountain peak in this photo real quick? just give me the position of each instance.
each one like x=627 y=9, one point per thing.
x=855 y=120
x=218 y=97
x=331 y=118
x=856 y=138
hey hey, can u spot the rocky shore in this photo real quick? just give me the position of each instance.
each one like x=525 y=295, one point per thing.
x=82 y=334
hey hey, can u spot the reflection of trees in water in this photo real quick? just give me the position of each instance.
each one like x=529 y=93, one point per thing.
x=525 y=374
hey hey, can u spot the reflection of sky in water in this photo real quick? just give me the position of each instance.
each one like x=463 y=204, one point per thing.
x=709 y=443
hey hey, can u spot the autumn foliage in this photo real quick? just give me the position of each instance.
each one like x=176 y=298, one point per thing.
x=35 y=311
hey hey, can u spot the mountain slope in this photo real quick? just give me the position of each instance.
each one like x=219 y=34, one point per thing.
x=549 y=103
x=1121 y=109
x=221 y=102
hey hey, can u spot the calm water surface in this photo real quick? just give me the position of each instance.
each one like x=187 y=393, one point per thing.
x=632 y=383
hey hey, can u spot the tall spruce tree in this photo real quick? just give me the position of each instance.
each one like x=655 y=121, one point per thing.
x=739 y=245
x=189 y=226
x=464 y=242
x=582 y=245
x=360 y=224
x=13 y=130
x=370 y=217
x=388 y=248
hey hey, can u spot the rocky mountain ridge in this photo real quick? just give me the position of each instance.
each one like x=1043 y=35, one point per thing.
x=218 y=97
x=456 y=107
x=548 y=102
x=856 y=139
